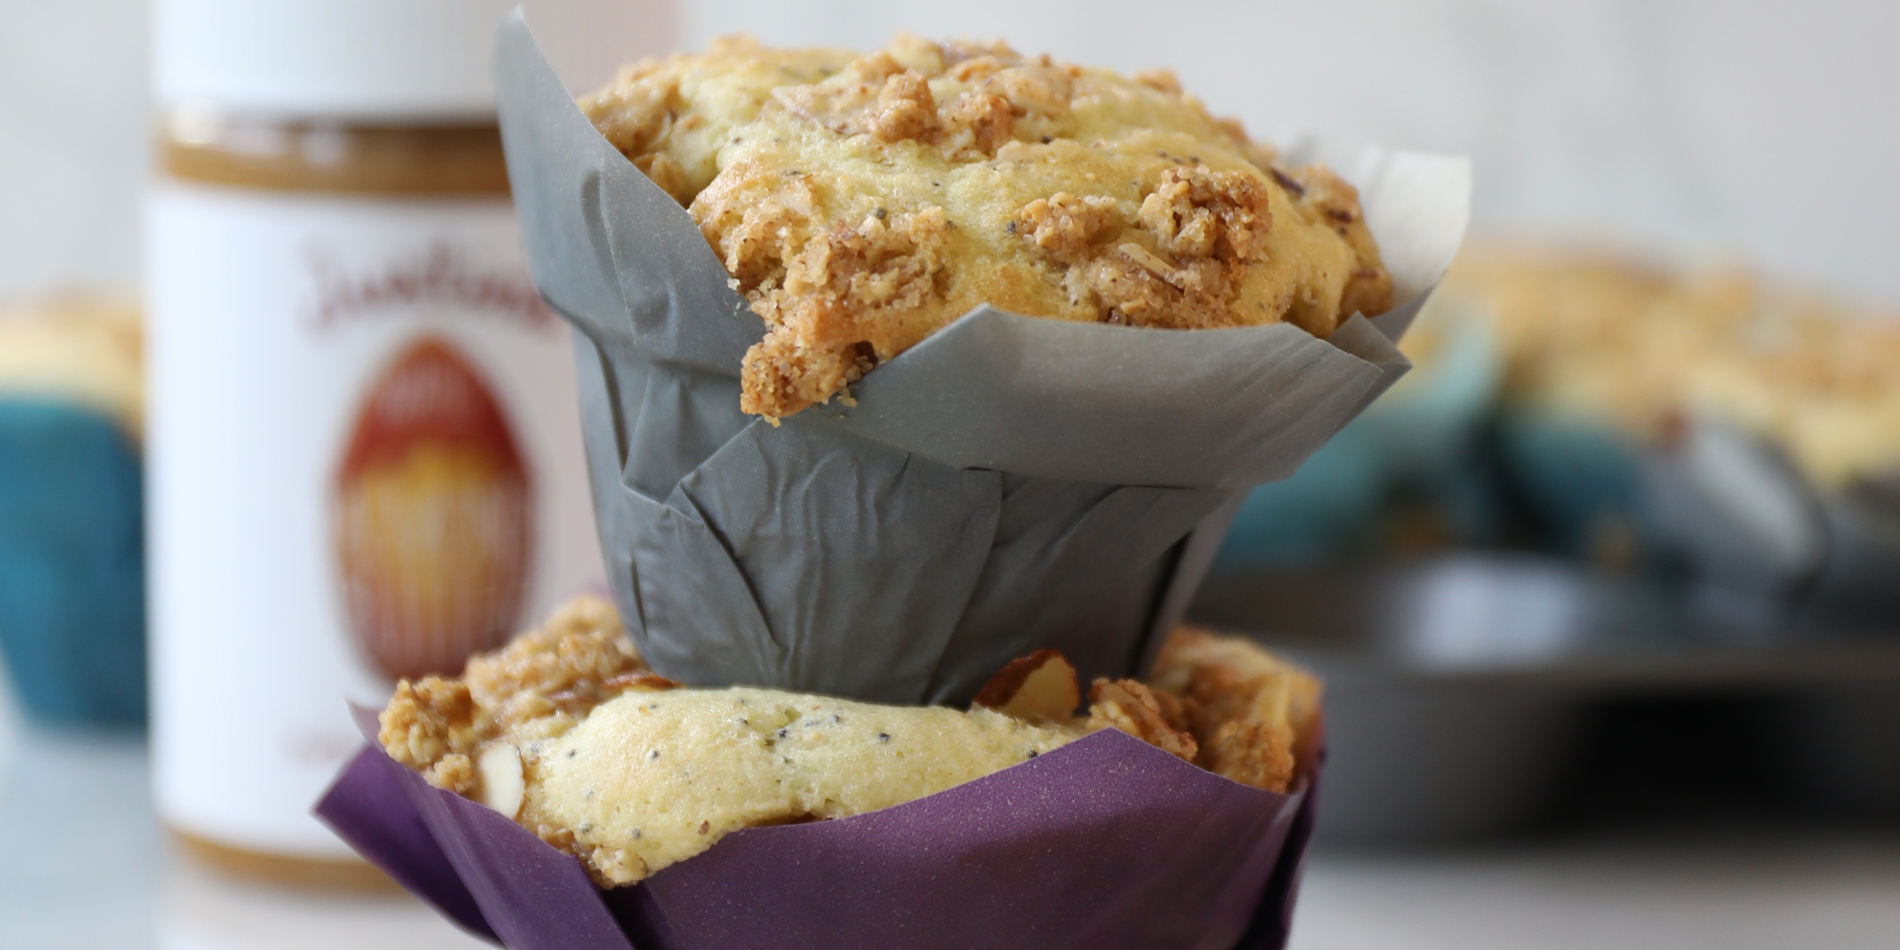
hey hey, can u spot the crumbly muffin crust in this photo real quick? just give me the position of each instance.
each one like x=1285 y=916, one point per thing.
x=567 y=732
x=863 y=202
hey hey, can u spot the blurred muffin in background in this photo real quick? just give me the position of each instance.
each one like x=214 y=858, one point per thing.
x=1601 y=336
x=1709 y=425
x=72 y=585
x=1544 y=376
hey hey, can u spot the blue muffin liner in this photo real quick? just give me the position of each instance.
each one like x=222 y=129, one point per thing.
x=72 y=563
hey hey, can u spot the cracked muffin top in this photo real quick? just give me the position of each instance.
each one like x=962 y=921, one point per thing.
x=861 y=203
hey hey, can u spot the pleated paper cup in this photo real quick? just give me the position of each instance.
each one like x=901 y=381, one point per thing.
x=1007 y=485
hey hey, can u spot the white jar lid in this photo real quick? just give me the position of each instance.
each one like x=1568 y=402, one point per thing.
x=383 y=60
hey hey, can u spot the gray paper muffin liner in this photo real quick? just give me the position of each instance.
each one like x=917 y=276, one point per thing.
x=1009 y=484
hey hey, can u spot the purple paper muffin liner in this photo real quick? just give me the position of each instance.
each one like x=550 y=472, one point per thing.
x=1105 y=843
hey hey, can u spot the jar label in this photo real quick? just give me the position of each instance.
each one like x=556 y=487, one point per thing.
x=365 y=463
x=433 y=516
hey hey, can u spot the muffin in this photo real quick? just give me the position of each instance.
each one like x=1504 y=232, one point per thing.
x=566 y=731
x=1014 y=482
x=1596 y=335
x=861 y=203
x=72 y=563
x=837 y=714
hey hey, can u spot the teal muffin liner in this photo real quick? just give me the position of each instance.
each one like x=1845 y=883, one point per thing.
x=72 y=562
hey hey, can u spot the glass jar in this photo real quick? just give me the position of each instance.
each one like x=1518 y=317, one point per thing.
x=364 y=445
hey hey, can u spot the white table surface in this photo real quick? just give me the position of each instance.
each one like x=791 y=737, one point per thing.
x=82 y=865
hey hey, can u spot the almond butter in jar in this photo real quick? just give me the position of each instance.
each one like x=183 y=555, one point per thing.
x=364 y=448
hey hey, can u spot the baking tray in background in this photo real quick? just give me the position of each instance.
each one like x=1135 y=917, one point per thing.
x=1460 y=685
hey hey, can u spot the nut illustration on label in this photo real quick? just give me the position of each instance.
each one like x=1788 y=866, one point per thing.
x=433 y=516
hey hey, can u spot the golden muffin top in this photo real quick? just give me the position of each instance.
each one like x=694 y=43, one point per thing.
x=86 y=349
x=863 y=202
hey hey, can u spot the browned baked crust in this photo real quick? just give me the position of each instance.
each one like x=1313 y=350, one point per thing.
x=863 y=202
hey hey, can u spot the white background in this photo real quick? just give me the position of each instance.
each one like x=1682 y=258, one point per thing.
x=1764 y=129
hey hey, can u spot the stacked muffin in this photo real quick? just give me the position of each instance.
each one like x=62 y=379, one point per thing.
x=919 y=388
x=861 y=203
